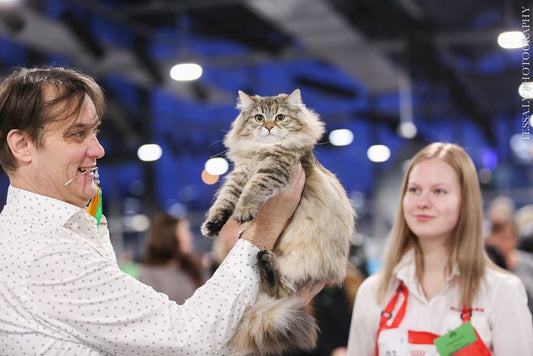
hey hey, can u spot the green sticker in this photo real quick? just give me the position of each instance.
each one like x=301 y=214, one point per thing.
x=455 y=340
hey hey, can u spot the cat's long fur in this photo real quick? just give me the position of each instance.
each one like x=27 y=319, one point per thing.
x=315 y=244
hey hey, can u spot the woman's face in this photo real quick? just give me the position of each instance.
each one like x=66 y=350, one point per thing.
x=432 y=201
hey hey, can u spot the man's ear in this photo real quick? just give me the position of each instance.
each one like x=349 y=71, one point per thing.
x=19 y=145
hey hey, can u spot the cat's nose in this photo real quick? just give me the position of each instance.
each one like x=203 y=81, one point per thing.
x=269 y=126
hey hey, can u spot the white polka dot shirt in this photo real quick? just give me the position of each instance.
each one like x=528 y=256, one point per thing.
x=62 y=292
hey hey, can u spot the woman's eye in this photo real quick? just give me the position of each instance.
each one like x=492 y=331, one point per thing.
x=280 y=117
x=259 y=118
x=412 y=190
x=440 y=191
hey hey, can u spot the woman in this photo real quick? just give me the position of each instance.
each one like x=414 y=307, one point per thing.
x=436 y=276
x=169 y=265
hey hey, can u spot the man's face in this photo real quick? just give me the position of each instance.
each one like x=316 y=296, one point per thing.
x=69 y=147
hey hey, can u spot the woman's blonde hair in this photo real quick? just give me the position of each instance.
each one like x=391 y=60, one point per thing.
x=465 y=245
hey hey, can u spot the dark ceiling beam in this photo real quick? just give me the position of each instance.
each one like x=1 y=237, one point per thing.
x=465 y=94
x=141 y=50
x=78 y=28
x=322 y=30
x=165 y=7
x=14 y=20
x=327 y=88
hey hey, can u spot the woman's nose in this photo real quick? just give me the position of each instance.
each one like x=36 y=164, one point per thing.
x=423 y=200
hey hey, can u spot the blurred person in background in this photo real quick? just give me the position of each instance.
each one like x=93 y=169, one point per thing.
x=437 y=281
x=169 y=264
x=504 y=237
x=524 y=221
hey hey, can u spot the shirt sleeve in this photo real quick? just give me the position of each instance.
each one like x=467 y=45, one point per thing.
x=512 y=327
x=365 y=320
x=76 y=292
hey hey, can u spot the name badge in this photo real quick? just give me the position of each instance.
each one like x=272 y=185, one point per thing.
x=461 y=341
x=393 y=342
x=396 y=342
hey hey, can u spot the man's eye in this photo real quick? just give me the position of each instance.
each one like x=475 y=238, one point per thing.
x=79 y=134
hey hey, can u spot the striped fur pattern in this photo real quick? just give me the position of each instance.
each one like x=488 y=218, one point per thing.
x=266 y=140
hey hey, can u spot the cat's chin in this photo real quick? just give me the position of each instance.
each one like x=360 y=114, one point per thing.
x=268 y=140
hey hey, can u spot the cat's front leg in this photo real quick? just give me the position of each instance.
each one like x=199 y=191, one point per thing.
x=268 y=180
x=224 y=205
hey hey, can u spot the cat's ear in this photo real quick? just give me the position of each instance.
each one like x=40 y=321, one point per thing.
x=244 y=100
x=295 y=98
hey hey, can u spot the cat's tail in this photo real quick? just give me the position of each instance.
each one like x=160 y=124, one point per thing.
x=273 y=326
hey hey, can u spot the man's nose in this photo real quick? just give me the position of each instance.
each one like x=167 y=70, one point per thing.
x=95 y=148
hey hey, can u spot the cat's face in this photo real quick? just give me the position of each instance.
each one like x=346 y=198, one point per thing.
x=272 y=120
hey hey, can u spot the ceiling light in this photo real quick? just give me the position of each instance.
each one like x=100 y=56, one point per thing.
x=522 y=149
x=378 y=153
x=407 y=129
x=512 y=39
x=186 y=72
x=526 y=90
x=216 y=166
x=341 y=137
x=149 y=152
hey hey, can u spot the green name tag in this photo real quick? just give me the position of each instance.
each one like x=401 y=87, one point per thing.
x=455 y=340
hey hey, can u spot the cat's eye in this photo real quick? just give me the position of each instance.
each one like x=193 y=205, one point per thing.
x=259 y=118
x=280 y=117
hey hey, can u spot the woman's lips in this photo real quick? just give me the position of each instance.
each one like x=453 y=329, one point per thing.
x=423 y=217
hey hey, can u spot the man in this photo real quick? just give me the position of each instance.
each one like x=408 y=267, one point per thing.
x=61 y=290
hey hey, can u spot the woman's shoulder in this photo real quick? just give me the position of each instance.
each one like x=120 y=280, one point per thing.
x=370 y=284
x=500 y=279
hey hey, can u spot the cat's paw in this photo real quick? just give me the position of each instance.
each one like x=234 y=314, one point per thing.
x=213 y=224
x=244 y=214
x=268 y=266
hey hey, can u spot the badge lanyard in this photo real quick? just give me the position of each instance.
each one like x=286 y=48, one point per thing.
x=478 y=348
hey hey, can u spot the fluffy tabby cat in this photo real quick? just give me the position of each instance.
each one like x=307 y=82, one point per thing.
x=267 y=139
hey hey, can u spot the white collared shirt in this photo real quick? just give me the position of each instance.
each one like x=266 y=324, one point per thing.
x=500 y=316
x=62 y=292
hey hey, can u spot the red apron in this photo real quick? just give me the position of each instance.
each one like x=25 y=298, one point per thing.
x=418 y=342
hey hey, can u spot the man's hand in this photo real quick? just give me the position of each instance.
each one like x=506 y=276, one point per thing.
x=264 y=230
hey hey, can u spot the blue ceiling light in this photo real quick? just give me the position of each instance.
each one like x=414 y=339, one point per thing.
x=489 y=158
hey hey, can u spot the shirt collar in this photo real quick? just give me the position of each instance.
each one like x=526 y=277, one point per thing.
x=405 y=271
x=44 y=210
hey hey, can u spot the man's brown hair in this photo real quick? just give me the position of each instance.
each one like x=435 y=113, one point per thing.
x=25 y=103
